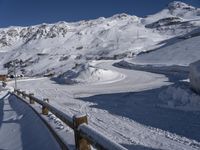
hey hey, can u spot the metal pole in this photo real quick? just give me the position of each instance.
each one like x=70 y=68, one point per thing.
x=15 y=76
x=137 y=34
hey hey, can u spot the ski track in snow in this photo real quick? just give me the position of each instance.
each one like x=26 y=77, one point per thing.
x=131 y=134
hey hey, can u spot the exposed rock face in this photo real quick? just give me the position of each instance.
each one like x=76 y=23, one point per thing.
x=165 y=22
x=11 y=35
x=179 y=5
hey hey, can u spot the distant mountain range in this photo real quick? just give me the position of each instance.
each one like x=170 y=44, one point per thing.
x=57 y=48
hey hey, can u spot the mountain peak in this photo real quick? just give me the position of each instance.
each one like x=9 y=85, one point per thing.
x=120 y=16
x=179 y=5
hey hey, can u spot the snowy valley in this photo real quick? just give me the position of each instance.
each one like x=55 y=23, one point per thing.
x=129 y=74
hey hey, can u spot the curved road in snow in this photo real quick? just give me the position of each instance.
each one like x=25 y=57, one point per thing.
x=124 y=110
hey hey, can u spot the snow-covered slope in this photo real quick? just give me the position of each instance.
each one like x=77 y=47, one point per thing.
x=180 y=53
x=175 y=9
x=177 y=18
x=50 y=48
x=54 y=49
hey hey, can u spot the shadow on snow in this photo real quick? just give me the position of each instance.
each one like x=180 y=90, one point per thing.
x=32 y=128
x=142 y=108
x=33 y=133
x=2 y=107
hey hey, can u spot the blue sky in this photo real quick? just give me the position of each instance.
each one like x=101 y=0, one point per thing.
x=30 y=12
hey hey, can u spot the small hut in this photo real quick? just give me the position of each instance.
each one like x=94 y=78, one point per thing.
x=3 y=75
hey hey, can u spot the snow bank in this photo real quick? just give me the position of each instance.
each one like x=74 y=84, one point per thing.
x=195 y=76
x=84 y=73
x=180 y=97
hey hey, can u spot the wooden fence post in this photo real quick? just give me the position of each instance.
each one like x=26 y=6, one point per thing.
x=81 y=143
x=23 y=94
x=18 y=92
x=30 y=98
x=45 y=110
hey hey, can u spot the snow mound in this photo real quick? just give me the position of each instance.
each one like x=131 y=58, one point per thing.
x=180 y=97
x=195 y=75
x=82 y=73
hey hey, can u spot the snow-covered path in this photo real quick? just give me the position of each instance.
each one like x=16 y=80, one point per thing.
x=124 y=110
x=21 y=128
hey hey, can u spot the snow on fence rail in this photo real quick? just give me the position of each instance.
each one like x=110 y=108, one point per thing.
x=84 y=134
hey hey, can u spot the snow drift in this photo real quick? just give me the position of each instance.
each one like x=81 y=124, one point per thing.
x=180 y=97
x=195 y=76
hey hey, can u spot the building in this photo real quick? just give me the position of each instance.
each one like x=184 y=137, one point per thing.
x=3 y=75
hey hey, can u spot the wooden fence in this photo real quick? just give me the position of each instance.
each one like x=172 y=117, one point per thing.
x=84 y=134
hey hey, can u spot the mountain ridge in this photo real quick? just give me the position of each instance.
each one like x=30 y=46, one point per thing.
x=59 y=47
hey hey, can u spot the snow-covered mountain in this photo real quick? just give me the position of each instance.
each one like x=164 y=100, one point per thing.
x=57 y=48
x=175 y=9
x=177 y=18
x=130 y=69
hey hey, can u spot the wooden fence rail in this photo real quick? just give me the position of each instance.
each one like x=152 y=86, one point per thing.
x=84 y=133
